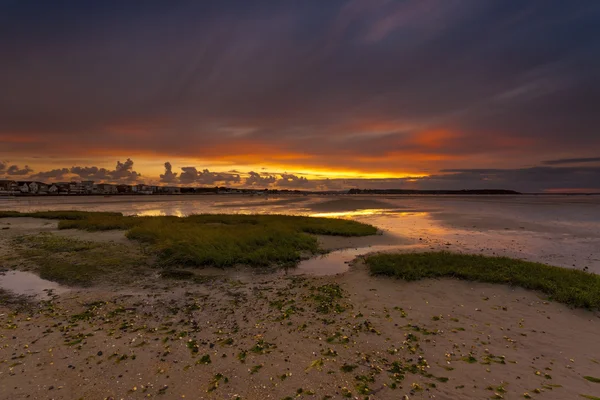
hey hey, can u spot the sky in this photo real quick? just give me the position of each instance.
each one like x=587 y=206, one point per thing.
x=303 y=94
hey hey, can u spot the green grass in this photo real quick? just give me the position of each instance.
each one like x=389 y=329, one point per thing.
x=76 y=262
x=573 y=287
x=592 y=379
x=218 y=240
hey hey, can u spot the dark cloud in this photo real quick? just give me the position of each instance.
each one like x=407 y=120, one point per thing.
x=572 y=161
x=16 y=171
x=168 y=176
x=2 y=166
x=123 y=172
x=292 y=181
x=257 y=179
x=190 y=175
x=54 y=175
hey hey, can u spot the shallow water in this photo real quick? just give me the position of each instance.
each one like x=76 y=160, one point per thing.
x=28 y=284
x=557 y=230
x=338 y=262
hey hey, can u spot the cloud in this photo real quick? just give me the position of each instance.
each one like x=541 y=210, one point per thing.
x=262 y=180
x=15 y=170
x=191 y=175
x=2 y=166
x=123 y=173
x=292 y=181
x=572 y=161
x=54 y=175
x=168 y=176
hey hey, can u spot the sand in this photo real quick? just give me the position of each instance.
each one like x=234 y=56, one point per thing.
x=138 y=342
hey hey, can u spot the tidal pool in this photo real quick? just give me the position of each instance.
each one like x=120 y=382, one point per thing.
x=29 y=284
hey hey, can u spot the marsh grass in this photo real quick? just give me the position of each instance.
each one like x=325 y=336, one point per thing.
x=219 y=240
x=573 y=287
x=76 y=262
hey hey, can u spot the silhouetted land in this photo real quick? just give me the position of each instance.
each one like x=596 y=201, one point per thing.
x=405 y=191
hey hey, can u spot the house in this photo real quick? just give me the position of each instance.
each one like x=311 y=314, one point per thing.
x=123 y=189
x=142 y=189
x=23 y=187
x=88 y=187
x=42 y=188
x=28 y=187
x=76 y=188
x=169 y=190
x=106 y=188
x=63 y=187
x=53 y=189
x=8 y=187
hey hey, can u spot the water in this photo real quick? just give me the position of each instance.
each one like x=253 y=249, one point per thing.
x=338 y=262
x=26 y=283
x=557 y=230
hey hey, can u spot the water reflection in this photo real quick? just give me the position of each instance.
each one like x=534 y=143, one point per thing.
x=26 y=283
x=353 y=213
x=338 y=262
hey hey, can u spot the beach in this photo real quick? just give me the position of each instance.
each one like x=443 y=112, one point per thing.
x=325 y=329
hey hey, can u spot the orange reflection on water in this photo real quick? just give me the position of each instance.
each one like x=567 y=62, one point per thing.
x=368 y=211
x=350 y=213
x=160 y=213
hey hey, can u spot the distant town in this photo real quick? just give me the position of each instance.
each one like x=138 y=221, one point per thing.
x=34 y=188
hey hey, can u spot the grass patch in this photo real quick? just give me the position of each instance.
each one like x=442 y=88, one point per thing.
x=592 y=379
x=77 y=262
x=573 y=287
x=219 y=240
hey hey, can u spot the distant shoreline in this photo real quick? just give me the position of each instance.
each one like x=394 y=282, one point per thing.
x=276 y=192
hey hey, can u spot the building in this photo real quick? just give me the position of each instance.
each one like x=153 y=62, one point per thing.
x=106 y=188
x=29 y=187
x=9 y=187
x=142 y=189
x=124 y=189
x=169 y=190
x=88 y=187
x=76 y=188
x=42 y=188
x=63 y=187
